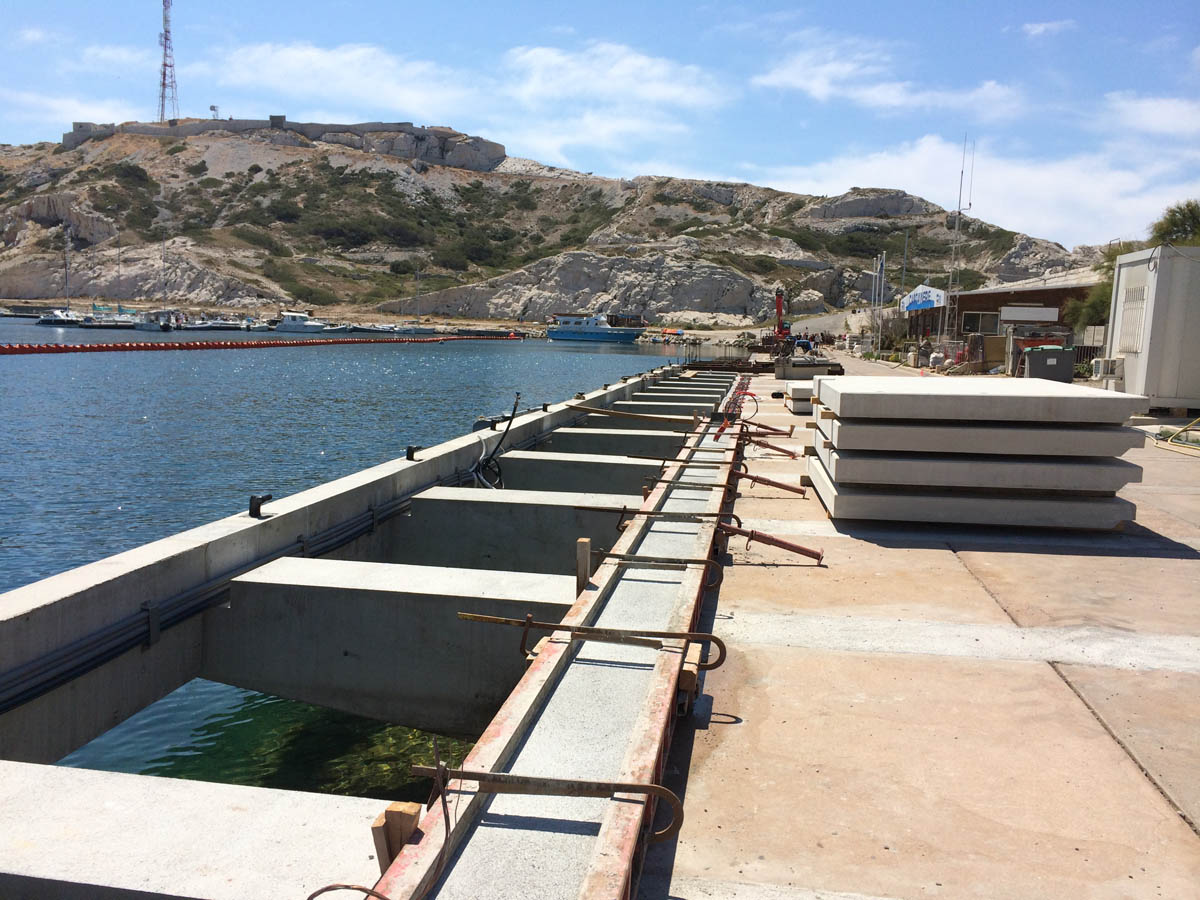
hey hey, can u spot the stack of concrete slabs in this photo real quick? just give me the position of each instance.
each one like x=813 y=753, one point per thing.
x=797 y=396
x=974 y=450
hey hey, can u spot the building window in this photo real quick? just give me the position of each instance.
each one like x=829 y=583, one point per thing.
x=1133 y=315
x=980 y=323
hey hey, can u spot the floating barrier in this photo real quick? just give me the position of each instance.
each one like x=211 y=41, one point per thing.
x=128 y=346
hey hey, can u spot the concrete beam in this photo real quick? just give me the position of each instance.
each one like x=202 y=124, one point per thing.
x=531 y=470
x=78 y=834
x=698 y=401
x=521 y=531
x=615 y=441
x=665 y=423
x=354 y=636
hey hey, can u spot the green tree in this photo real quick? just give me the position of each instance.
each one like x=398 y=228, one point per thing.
x=1093 y=309
x=1180 y=224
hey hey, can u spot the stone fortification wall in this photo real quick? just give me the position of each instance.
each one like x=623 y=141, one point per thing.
x=437 y=145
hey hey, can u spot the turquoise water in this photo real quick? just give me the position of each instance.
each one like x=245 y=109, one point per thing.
x=103 y=452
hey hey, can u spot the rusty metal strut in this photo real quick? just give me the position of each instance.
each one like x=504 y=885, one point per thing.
x=508 y=783
x=761 y=443
x=782 y=485
x=635 y=636
x=751 y=536
x=664 y=562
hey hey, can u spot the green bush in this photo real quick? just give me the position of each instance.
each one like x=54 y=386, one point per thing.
x=178 y=148
x=284 y=210
x=451 y=258
x=265 y=241
x=198 y=169
x=402 y=267
x=804 y=238
x=254 y=169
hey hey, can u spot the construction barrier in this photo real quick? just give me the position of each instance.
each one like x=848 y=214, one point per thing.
x=126 y=346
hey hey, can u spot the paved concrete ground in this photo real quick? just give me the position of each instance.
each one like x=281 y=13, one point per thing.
x=946 y=712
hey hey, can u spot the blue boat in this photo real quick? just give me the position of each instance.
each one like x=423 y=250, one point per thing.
x=582 y=327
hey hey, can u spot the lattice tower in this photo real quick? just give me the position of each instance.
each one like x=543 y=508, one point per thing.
x=168 y=99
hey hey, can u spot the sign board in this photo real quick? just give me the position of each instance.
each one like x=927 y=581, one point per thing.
x=1029 y=314
x=923 y=297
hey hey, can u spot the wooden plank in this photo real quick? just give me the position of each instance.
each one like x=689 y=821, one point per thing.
x=391 y=830
x=583 y=564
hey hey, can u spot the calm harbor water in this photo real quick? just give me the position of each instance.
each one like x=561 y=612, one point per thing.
x=106 y=451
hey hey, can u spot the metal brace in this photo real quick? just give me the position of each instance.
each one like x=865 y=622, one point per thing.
x=663 y=562
x=508 y=783
x=632 y=636
x=770 y=539
x=667 y=516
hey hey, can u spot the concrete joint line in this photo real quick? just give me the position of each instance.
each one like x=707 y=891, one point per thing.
x=1158 y=786
x=1080 y=645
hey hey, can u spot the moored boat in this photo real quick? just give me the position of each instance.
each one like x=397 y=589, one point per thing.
x=300 y=323
x=582 y=327
x=60 y=318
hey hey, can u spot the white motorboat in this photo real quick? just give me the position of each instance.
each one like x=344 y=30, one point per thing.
x=60 y=318
x=582 y=327
x=157 y=320
x=300 y=323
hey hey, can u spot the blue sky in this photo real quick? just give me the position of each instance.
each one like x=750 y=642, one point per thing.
x=1085 y=117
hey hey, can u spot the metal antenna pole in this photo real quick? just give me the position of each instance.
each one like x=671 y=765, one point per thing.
x=168 y=99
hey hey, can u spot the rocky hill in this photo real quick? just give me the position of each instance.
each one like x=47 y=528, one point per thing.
x=246 y=219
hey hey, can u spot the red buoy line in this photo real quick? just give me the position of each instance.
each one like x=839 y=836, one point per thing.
x=131 y=346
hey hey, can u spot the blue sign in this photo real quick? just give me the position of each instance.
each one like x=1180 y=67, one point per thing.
x=923 y=297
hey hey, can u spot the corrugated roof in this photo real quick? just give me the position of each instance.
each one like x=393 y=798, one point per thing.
x=1072 y=278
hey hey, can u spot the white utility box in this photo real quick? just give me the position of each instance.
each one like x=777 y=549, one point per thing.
x=1154 y=324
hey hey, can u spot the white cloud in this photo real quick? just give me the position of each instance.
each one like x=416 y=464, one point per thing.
x=29 y=106
x=34 y=36
x=860 y=70
x=1046 y=29
x=610 y=73
x=350 y=74
x=113 y=57
x=1086 y=198
x=550 y=139
x=1166 y=116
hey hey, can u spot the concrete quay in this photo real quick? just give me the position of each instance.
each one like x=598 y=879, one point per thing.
x=348 y=596
x=945 y=711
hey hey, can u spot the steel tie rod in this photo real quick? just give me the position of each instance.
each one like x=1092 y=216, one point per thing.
x=664 y=562
x=509 y=783
x=635 y=636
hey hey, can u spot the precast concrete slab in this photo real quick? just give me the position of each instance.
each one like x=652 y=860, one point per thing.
x=521 y=531
x=537 y=470
x=664 y=408
x=974 y=398
x=1085 y=474
x=845 y=501
x=615 y=441
x=1027 y=439
x=349 y=635
x=798 y=390
x=77 y=834
x=666 y=390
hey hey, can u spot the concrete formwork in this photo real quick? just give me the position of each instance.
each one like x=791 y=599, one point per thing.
x=530 y=470
x=351 y=635
x=666 y=408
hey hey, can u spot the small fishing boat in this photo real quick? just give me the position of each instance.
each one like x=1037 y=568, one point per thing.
x=582 y=327
x=60 y=318
x=300 y=323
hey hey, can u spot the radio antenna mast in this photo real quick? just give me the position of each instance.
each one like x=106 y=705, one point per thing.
x=168 y=99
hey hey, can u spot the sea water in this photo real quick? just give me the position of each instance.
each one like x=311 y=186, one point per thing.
x=103 y=452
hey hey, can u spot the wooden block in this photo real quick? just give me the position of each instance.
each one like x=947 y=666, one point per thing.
x=689 y=674
x=827 y=414
x=810 y=424
x=810 y=450
x=583 y=564
x=826 y=445
x=391 y=830
x=805 y=481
